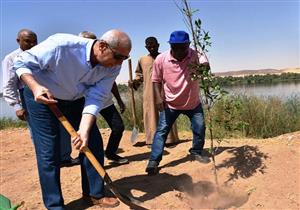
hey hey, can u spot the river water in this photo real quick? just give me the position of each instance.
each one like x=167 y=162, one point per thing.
x=281 y=90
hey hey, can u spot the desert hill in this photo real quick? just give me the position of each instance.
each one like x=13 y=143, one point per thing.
x=242 y=73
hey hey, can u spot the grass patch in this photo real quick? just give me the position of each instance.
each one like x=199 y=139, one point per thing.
x=257 y=117
x=11 y=123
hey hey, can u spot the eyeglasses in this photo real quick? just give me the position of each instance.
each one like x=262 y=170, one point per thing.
x=117 y=55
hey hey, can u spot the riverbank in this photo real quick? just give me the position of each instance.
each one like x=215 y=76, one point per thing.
x=233 y=116
x=253 y=174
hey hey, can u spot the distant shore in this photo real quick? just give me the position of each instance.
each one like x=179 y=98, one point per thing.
x=242 y=73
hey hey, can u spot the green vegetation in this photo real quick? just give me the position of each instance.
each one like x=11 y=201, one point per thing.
x=256 y=117
x=238 y=116
x=127 y=115
x=123 y=88
x=234 y=116
x=257 y=79
x=11 y=123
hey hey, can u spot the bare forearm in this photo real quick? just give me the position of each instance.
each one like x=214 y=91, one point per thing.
x=41 y=93
x=86 y=123
x=115 y=92
x=157 y=91
x=157 y=95
x=29 y=80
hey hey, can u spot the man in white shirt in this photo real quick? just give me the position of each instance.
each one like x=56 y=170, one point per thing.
x=77 y=74
x=13 y=91
x=12 y=87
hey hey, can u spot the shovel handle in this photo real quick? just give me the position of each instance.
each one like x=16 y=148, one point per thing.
x=132 y=92
x=67 y=125
x=134 y=204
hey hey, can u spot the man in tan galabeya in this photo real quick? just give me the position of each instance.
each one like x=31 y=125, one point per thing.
x=143 y=75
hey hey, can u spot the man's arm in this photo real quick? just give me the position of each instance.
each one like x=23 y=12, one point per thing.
x=10 y=88
x=41 y=93
x=94 y=99
x=138 y=75
x=157 y=94
x=115 y=92
x=86 y=123
x=157 y=81
x=136 y=83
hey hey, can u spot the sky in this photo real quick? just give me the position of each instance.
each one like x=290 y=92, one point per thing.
x=245 y=34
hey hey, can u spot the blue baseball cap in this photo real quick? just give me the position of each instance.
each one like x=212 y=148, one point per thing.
x=179 y=37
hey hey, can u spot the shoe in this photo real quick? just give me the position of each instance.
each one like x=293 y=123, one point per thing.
x=105 y=202
x=152 y=167
x=200 y=158
x=69 y=163
x=117 y=159
x=171 y=145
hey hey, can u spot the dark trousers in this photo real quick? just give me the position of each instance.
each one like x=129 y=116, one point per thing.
x=115 y=122
x=46 y=134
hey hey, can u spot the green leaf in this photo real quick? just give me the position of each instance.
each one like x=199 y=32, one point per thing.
x=196 y=10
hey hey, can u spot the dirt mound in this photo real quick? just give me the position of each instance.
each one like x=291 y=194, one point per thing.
x=252 y=174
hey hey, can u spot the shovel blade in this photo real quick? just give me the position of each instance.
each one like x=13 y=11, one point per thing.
x=128 y=200
x=134 y=135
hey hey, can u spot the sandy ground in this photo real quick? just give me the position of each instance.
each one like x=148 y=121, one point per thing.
x=252 y=174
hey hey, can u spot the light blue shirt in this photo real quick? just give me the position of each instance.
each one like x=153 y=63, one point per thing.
x=62 y=64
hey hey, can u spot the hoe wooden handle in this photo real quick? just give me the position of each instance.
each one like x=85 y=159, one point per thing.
x=73 y=133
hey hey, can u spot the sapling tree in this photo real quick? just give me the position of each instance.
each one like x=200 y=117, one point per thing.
x=212 y=92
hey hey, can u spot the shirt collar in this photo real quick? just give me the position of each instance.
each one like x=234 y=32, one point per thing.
x=171 y=58
x=88 y=50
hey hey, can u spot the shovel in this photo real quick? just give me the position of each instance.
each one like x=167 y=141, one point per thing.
x=5 y=204
x=129 y=201
x=135 y=131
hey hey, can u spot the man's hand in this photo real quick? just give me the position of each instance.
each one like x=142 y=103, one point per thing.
x=160 y=104
x=134 y=84
x=43 y=95
x=122 y=106
x=86 y=123
x=81 y=140
x=21 y=114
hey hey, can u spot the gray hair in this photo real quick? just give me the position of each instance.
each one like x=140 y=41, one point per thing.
x=24 y=30
x=87 y=34
x=117 y=39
